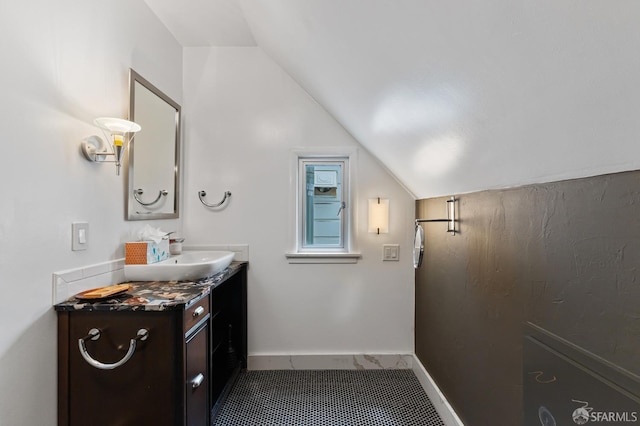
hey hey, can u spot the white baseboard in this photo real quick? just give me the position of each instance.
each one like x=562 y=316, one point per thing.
x=329 y=362
x=442 y=406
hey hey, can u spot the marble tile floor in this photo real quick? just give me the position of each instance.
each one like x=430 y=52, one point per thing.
x=327 y=398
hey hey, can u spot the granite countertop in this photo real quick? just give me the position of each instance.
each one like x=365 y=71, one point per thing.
x=153 y=295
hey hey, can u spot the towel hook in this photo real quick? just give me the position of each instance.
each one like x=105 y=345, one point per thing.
x=202 y=194
x=94 y=334
x=139 y=191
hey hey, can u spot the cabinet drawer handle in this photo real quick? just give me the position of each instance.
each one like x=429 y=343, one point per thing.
x=197 y=381
x=94 y=334
x=199 y=311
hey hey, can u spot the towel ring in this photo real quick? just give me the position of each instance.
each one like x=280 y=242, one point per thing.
x=202 y=194
x=139 y=191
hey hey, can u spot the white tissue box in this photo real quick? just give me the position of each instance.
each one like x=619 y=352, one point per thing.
x=145 y=252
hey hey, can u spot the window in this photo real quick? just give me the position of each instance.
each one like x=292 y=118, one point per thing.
x=323 y=203
x=323 y=194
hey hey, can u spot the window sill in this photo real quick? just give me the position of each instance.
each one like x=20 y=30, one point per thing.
x=323 y=257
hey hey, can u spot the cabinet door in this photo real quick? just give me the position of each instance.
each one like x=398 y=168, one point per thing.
x=220 y=326
x=142 y=391
x=197 y=383
x=228 y=335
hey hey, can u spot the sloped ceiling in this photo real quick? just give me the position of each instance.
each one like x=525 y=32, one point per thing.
x=204 y=22
x=454 y=96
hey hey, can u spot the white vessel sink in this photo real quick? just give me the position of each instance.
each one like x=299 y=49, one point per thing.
x=190 y=265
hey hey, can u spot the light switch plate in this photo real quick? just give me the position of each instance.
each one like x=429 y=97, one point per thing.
x=79 y=236
x=391 y=252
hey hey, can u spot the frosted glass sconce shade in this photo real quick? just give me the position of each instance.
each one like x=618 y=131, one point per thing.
x=115 y=131
x=117 y=125
x=378 y=216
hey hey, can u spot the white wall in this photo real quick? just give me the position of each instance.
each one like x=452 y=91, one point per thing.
x=63 y=64
x=244 y=115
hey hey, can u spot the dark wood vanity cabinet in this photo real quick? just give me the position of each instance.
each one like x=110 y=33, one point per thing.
x=175 y=375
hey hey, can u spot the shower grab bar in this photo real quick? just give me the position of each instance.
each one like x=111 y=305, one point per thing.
x=94 y=334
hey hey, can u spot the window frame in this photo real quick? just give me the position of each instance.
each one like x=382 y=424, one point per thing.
x=347 y=253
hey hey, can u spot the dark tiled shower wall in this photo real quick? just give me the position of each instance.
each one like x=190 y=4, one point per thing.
x=563 y=255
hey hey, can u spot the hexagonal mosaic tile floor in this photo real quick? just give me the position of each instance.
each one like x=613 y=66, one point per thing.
x=327 y=398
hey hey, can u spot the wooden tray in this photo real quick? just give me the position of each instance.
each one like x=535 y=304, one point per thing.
x=102 y=292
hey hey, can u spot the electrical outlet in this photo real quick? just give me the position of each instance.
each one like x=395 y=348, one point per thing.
x=79 y=236
x=391 y=252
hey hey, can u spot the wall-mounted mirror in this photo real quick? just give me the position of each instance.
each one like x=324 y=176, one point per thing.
x=154 y=153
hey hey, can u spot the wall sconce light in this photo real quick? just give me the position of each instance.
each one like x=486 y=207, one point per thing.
x=378 y=215
x=115 y=130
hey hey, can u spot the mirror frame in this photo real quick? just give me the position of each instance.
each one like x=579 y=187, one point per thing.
x=130 y=213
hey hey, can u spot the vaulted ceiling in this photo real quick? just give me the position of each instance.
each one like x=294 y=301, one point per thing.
x=453 y=96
